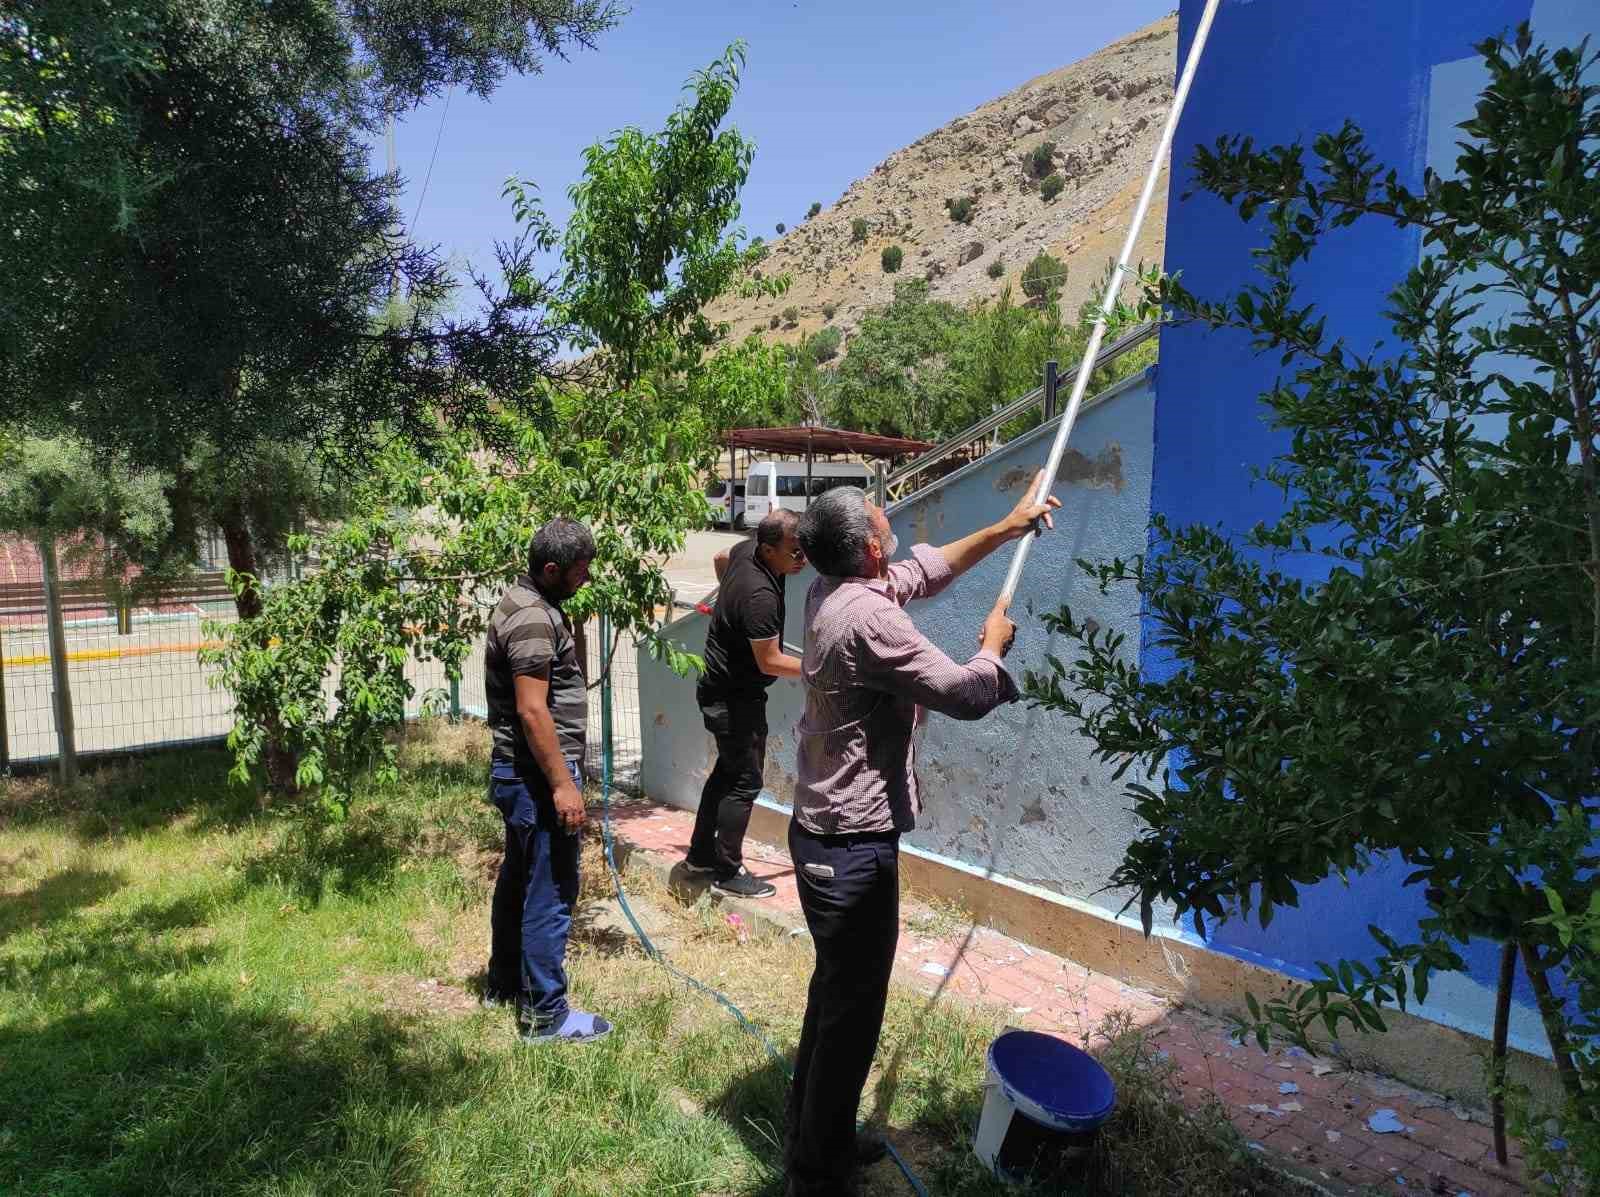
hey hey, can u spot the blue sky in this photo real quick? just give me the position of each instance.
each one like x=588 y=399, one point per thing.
x=831 y=89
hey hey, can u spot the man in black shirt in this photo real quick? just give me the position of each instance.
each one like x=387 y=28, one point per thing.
x=744 y=654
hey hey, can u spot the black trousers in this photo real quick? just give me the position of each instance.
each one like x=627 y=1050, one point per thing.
x=850 y=892
x=740 y=725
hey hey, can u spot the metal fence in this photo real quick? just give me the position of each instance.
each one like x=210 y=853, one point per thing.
x=137 y=683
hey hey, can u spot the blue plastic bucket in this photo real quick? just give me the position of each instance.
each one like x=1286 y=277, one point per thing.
x=1043 y=1102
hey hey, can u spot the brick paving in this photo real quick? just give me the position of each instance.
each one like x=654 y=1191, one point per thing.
x=1311 y=1114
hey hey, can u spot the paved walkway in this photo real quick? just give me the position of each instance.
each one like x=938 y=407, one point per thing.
x=1338 y=1127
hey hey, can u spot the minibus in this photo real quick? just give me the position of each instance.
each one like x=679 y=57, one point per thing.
x=770 y=484
x=727 y=502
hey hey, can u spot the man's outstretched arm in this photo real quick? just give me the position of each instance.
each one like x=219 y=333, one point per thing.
x=963 y=554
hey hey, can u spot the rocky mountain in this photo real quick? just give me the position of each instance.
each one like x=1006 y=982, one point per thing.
x=1103 y=114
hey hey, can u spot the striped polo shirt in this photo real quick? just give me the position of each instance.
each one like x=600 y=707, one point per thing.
x=528 y=635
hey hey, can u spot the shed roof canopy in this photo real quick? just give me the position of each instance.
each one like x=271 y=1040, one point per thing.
x=816 y=439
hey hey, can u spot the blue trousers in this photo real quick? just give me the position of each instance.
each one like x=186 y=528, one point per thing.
x=533 y=895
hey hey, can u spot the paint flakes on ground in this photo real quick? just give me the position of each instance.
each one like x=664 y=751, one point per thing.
x=935 y=970
x=1288 y=1087
x=1385 y=1122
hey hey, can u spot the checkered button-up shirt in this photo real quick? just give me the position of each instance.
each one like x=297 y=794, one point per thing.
x=867 y=671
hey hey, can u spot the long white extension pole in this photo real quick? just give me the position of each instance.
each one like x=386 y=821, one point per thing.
x=1113 y=288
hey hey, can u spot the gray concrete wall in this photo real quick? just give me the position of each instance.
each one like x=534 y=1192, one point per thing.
x=1017 y=793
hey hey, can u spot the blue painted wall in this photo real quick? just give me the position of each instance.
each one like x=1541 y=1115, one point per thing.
x=1016 y=793
x=1403 y=70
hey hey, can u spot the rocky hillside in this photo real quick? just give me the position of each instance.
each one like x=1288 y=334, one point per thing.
x=1104 y=116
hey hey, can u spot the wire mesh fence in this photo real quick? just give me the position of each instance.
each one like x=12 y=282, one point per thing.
x=136 y=683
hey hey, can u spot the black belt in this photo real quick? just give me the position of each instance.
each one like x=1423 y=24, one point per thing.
x=850 y=837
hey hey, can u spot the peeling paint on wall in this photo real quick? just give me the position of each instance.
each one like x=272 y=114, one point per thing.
x=1104 y=469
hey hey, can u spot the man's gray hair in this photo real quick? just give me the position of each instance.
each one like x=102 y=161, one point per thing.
x=770 y=531
x=835 y=532
x=563 y=543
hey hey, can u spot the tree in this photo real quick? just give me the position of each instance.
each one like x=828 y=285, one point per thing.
x=1043 y=278
x=891 y=355
x=1429 y=694
x=782 y=229
x=1050 y=186
x=892 y=256
x=197 y=250
x=65 y=499
x=813 y=210
x=960 y=209
x=749 y=382
x=858 y=229
x=647 y=248
x=259 y=495
x=823 y=345
x=1043 y=159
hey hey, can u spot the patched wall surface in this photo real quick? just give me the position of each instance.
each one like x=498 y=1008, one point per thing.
x=1016 y=792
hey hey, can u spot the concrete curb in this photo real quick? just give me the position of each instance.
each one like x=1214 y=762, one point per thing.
x=760 y=915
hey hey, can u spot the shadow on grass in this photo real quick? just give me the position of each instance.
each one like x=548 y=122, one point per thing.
x=55 y=896
x=941 y=1101
x=753 y=1105
x=117 y=796
x=125 y=1072
x=77 y=961
x=315 y=858
x=156 y=1088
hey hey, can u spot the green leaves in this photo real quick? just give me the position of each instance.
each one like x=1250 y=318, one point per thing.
x=649 y=243
x=442 y=523
x=197 y=246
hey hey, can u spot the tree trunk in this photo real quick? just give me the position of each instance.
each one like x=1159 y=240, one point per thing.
x=1502 y=1027
x=66 y=740
x=278 y=761
x=580 y=637
x=1550 y=1015
x=242 y=560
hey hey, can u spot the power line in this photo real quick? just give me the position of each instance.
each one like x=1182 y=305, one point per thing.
x=428 y=178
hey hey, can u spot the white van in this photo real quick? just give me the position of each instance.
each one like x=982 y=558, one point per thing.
x=727 y=502
x=772 y=484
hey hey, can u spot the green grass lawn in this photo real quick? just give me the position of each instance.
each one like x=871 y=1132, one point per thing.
x=196 y=996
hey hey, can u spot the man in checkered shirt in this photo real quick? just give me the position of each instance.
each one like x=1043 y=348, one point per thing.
x=868 y=674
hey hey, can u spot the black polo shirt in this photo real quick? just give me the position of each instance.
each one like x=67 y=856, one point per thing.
x=749 y=607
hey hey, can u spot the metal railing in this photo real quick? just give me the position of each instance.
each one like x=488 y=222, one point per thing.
x=895 y=487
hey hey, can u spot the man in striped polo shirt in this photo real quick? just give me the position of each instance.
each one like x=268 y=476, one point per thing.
x=538 y=717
